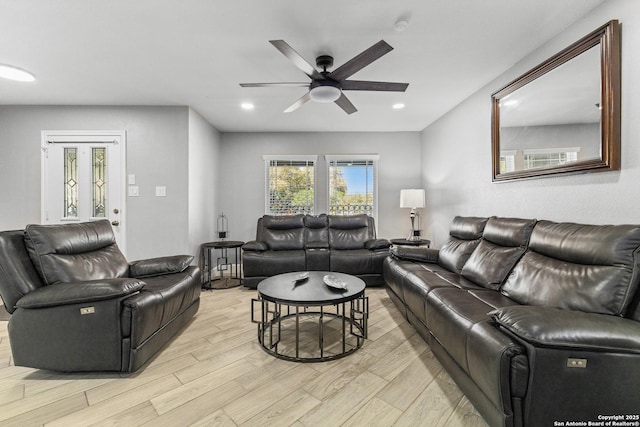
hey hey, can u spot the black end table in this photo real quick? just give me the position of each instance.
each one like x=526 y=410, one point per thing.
x=405 y=242
x=222 y=264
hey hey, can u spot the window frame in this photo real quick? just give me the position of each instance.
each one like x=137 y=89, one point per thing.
x=288 y=158
x=374 y=158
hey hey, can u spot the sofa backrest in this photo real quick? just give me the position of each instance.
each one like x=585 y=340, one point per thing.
x=350 y=232
x=75 y=252
x=504 y=241
x=282 y=233
x=464 y=237
x=317 y=231
x=17 y=275
x=591 y=268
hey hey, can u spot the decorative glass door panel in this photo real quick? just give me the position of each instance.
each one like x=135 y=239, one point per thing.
x=82 y=179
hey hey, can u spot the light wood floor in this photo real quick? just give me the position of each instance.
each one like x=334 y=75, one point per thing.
x=215 y=373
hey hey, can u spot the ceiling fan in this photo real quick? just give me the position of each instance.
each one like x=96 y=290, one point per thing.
x=328 y=86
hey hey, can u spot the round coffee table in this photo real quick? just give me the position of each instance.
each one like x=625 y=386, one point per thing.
x=286 y=305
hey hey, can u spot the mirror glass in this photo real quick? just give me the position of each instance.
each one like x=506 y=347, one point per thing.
x=553 y=119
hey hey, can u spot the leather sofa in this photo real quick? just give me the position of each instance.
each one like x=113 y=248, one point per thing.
x=78 y=305
x=537 y=322
x=345 y=244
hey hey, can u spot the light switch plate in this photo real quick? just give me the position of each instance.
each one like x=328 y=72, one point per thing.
x=131 y=180
x=161 y=191
x=133 y=191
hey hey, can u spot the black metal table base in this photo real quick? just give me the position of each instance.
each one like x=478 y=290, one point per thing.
x=352 y=315
x=221 y=265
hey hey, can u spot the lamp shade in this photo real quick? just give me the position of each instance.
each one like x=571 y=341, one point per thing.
x=412 y=198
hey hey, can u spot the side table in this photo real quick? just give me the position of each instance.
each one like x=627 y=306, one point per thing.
x=405 y=242
x=222 y=264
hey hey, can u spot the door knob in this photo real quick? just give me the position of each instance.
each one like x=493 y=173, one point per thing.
x=115 y=223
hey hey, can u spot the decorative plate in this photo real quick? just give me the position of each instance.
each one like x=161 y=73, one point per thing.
x=334 y=282
x=302 y=276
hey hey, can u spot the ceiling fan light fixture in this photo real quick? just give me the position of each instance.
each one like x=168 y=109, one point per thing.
x=326 y=92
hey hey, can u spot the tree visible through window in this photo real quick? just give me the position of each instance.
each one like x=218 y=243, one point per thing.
x=352 y=185
x=290 y=185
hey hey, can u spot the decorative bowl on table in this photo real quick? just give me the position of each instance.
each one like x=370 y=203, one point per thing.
x=334 y=282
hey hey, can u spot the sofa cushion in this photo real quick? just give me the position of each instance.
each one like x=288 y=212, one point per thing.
x=450 y=315
x=415 y=287
x=158 y=303
x=579 y=267
x=349 y=232
x=464 y=237
x=503 y=242
x=357 y=261
x=75 y=252
x=283 y=233
x=316 y=233
x=270 y=263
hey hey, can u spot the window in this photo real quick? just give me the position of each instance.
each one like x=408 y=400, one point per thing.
x=352 y=184
x=543 y=158
x=290 y=182
x=507 y=161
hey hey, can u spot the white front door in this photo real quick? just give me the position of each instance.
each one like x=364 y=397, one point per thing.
x=82 y=178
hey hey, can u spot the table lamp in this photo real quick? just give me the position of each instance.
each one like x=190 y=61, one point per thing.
x=413 y=199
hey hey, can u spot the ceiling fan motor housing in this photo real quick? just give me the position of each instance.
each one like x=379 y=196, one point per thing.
x=324 y=62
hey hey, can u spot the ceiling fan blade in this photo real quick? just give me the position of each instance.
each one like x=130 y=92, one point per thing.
x=299 y=103
x=285 y=84
x=376 y=86
x=344 y=103
x=360 y=61
x=297 y=60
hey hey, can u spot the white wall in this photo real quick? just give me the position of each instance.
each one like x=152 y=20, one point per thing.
x=242 y=180
x=156 y=153
x=204 y=156
x=456 y=150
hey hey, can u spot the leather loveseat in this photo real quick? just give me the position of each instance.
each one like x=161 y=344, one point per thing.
x=285 y=244
x=537 y=322
x=77 y=305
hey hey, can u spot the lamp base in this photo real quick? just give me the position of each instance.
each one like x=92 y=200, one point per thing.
x=414 y=235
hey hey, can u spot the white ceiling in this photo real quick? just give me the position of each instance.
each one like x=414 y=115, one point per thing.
x=196 y=52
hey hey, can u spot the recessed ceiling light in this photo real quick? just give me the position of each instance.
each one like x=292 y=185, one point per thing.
x=401 y=25
x=247 y=106
x=14 y=73
x=398 y=106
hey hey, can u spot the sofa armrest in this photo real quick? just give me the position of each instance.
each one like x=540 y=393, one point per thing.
x=255 y=246
x=413 y=253
x=558 y=328
x=80 y=292
x=159 y=266
x=375 y=244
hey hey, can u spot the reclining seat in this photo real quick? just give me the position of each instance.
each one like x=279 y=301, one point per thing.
x=410 y=282
x=462 y=335
x=77 y=305
x=279 y=248
x=354 y=248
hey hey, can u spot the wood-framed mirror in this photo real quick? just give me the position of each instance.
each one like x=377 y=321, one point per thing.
x=563 y=116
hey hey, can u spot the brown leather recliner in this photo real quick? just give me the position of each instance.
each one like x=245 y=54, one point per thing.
x=78 y=305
